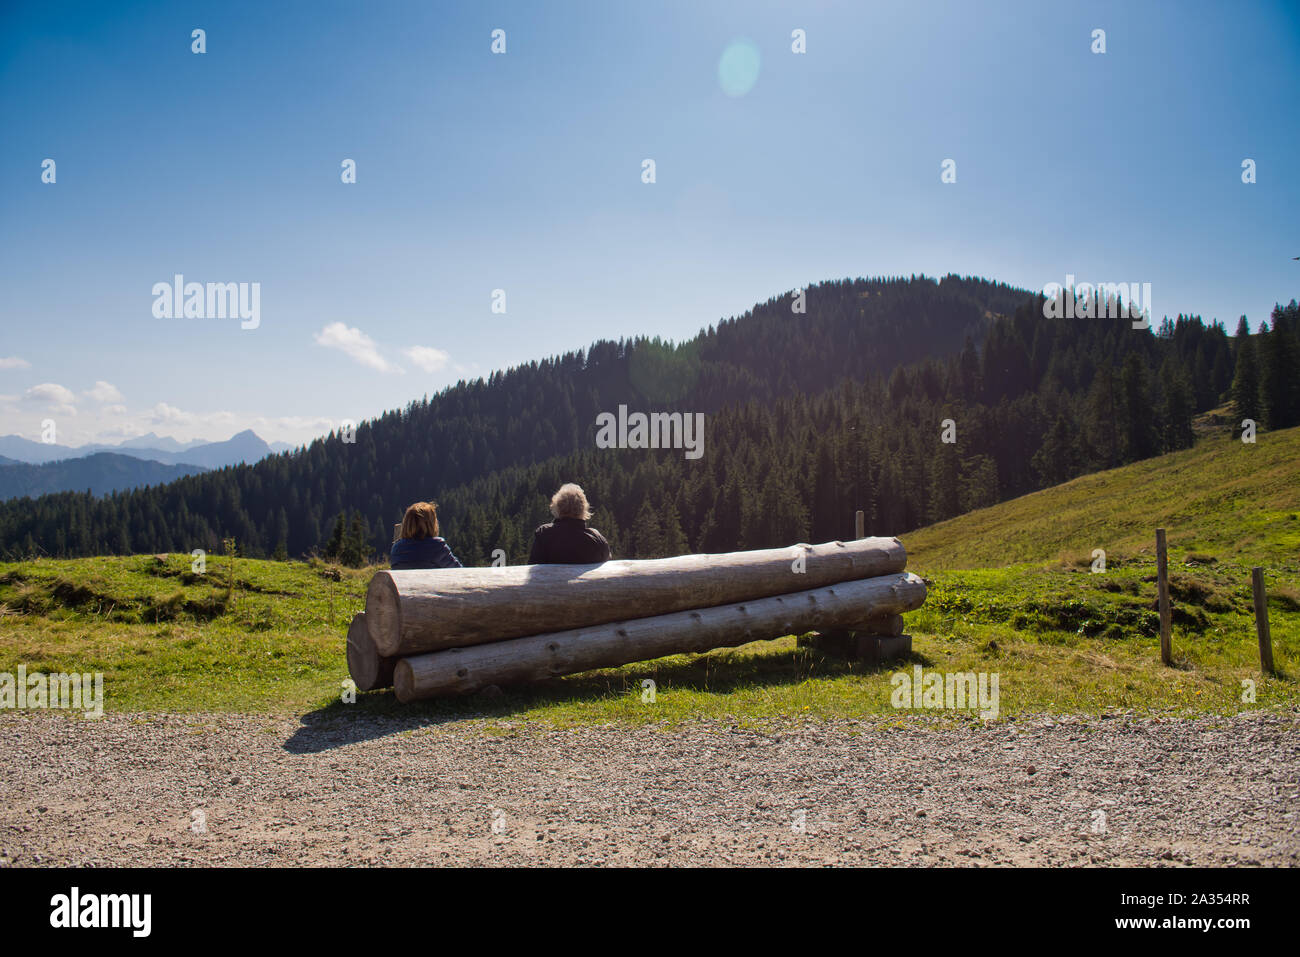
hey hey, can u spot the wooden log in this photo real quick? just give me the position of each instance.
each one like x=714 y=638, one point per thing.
x=521 y=660
x=1261 y=620
x=426 y=610
x=368 y=668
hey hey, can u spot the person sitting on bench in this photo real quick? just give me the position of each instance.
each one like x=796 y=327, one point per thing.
x=419 y=545
x=568 y=540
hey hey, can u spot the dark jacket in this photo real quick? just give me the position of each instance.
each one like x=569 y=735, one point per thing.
x=422 y=553
x=568 y=541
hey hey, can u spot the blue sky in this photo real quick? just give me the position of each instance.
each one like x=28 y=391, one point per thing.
x=522 y=172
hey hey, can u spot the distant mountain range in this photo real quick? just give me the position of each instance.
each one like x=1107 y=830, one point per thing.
x=100 y=473
x=151 y=440
x=246 y=446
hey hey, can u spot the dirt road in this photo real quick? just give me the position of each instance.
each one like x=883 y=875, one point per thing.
x=247 y=789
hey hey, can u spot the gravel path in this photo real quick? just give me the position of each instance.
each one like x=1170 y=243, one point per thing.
x=253 y=790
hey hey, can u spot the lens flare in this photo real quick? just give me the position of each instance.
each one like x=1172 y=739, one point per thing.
x=738 y=68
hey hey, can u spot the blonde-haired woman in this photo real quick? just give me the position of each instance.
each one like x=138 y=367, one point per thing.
x=568 y=540
x=419 y=545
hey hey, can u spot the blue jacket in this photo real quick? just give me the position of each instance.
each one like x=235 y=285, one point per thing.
x=422 y=553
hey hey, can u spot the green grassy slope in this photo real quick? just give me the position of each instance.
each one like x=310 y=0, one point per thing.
x=1018 y=581
x=268 y=636
x=1011 y=592
x=1224 y=498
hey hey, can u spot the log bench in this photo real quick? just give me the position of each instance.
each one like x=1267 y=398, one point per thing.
x=455 y=631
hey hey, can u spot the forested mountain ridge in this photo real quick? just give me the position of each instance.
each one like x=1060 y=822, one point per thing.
x=98 y=473
x=1044 y=401
x=809 y=416
x=524 y=415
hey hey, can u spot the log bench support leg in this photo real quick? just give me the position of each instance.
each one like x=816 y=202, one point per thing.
x=875 y=641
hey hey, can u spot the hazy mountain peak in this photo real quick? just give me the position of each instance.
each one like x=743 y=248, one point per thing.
x=245 y=446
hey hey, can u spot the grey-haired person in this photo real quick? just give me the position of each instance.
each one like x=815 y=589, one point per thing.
x=568 y=540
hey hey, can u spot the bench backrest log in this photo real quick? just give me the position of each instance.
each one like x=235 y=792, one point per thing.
x=410 y=612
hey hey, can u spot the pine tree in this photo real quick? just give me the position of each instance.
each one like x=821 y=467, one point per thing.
x=969 y=370
x=1176 y=408
x=355 y=550
x=979 y=483
x=672 y=538
x=826 y=520
x=1101 y=419
x=1245 y=381
x=646 y=536
x=1279 y=357
x=778 y=517
x=1139 y=431
x=945 y=484
x=281 y=534
x=335 y=544
x=1059 y=458
x=722 y=528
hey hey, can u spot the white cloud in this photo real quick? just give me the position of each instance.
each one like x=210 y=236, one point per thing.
x=52 y=396
x=104 y=392
x=111 y=424
x=164 y=414
x=426 y=357
x=104 y=416
x=13 y=362
x=353 y=342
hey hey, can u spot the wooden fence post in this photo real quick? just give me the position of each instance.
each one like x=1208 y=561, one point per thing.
x=1166 y=616
x=859 y=525
x=1261 y=620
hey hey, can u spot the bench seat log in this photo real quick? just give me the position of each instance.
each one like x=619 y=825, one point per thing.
x=526 y=659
